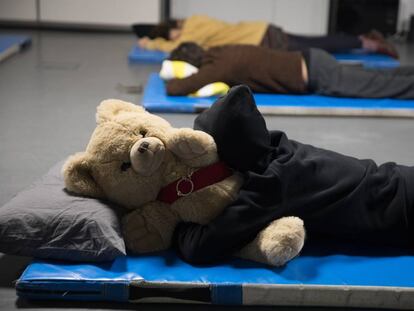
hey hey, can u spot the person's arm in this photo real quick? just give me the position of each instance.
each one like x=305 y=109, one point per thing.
x=191 y=84
x=255 y=208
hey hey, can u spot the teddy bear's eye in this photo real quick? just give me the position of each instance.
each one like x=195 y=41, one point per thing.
x=125 y=166
x=143 y=133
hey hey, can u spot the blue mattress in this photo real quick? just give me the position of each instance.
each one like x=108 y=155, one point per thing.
x=138 y=55
x=323 y=275
x=155 y=99
x=356 y=57
x=11 y=44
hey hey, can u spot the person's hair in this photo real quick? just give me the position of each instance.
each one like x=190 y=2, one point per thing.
x=162 y=30
x=188 y=52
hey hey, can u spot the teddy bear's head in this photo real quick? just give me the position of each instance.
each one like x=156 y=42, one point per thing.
x=126 y=158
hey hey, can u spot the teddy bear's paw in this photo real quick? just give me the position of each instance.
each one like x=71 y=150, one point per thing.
x=189 y=149
x=140 y=237
x=282 y=240
x=191 y=144
x=280 y=254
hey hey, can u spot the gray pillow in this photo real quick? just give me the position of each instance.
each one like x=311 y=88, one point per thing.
x=46 y=221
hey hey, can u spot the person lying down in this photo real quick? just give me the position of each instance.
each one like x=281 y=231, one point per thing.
x=209 y=32
x=337 y=196
x=272 y=71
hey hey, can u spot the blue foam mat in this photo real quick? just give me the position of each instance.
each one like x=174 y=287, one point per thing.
x=10 y=44
x=138 y=55
x=340 y=272
x=155 y=99
x=368 y=60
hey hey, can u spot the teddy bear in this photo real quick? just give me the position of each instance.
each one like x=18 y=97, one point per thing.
x=134 y=156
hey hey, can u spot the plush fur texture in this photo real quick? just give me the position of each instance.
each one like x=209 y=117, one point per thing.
x=132 y=154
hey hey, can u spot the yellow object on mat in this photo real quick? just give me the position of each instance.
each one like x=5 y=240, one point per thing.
x=212 y=89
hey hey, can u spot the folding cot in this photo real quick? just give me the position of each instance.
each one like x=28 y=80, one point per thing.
x=155 y=99
x=11 y=44
x=356 y=57
x=325 y=274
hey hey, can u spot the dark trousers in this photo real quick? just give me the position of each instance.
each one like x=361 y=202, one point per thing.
x=328 y=77
x=276 y=38
x=331 y=43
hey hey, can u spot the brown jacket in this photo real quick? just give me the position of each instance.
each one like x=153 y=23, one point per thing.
x=263 y=70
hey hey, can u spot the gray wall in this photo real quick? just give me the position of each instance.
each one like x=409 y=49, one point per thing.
x=296 y=16
x=406 y=10
x=84 y=12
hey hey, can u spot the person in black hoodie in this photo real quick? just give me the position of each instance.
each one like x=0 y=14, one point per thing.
x=336 y=195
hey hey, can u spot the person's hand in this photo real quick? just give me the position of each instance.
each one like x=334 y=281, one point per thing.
x=143 y=42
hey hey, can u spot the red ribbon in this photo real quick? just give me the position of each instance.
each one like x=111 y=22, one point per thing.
x=199 y=179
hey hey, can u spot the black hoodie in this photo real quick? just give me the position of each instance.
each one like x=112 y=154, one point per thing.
x=336 y=195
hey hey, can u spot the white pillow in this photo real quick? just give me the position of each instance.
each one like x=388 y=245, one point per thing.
x=176 y=69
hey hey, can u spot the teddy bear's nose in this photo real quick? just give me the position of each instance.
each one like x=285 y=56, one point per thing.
x=143 y=147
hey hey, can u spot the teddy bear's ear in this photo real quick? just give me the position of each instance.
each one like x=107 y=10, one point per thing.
x=109 y=108
x=78 y=178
